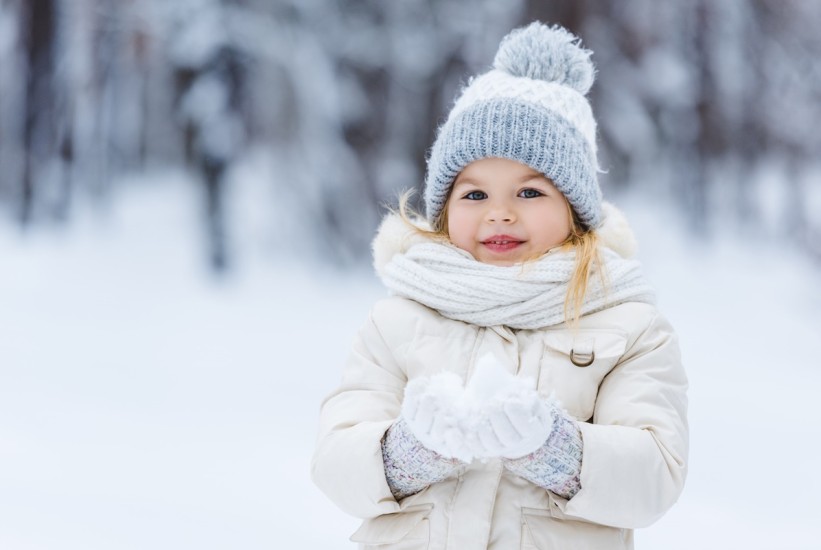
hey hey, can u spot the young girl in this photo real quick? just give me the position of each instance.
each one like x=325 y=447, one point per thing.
x=519 y=390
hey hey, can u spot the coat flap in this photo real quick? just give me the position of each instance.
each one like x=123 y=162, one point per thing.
x=391 y=528
x=603 y=343
x=540 y=527
x=546 y=531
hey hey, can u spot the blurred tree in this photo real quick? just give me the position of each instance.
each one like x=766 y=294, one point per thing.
x=39 y=43
x=209 y=80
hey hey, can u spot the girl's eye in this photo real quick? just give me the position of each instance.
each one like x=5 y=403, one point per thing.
x=530 y=193
x=476 y=195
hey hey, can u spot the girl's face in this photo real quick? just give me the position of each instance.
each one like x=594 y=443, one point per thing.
x=503 y=212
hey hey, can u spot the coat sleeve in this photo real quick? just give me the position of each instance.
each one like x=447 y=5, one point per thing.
x=635 y=451
x=347 y=463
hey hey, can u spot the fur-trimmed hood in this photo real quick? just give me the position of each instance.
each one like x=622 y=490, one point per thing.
x=394 y=236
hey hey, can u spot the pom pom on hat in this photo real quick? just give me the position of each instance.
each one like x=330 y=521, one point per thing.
x=546 y=53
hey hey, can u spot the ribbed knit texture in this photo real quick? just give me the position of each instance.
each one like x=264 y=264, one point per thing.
x=556 y=465
x=409 y=465
x=523 y=296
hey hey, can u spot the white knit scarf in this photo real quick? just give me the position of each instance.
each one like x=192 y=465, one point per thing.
x=523 y=296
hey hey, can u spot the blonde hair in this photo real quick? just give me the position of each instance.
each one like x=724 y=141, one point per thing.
x=438 y=228
x=583 y=240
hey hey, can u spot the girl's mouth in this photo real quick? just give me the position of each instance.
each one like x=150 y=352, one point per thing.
x=501 y=243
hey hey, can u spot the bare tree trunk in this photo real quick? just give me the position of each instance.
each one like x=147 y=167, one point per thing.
x=211 y=138
x=142 y=56
x=213 y=172
x=39 y=17
x=66 y=150
x=568 y=13
x=697 y=176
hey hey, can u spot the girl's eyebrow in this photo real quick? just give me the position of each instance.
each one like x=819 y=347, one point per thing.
x=532 y=176
x=465 y=181
x=535 y=181
x=526 y=178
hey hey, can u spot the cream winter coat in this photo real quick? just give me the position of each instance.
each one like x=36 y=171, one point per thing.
x=630 y=404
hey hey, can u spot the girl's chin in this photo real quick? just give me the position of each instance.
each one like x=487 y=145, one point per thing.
x=502 y=262
x=509 y=259
x=502 y=256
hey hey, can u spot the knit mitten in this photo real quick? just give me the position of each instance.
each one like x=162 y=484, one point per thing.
x=556 y=465
x=511 y=419
x=409 y=465
x=438 y=414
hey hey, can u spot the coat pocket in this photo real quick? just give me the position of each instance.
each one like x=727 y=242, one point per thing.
x=542 y=531
x=405 y=530
x=575 y=363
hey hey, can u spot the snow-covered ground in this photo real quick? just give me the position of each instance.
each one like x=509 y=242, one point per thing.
x=145 y=404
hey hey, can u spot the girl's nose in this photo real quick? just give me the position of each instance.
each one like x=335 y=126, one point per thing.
x=501 y=213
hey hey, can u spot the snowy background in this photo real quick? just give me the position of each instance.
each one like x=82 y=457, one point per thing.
x=184 y=219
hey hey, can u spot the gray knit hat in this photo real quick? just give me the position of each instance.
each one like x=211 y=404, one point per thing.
x=530 y=107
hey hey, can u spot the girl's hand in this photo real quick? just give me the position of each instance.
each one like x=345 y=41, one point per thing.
x=511 y=419
x=496 y=415
x=513 y=426
x=437 y=412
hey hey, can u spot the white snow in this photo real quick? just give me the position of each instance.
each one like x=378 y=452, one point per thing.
x=147 y=404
